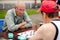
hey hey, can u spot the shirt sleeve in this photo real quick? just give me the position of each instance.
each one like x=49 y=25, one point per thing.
x=28 y=20
x=10 y=21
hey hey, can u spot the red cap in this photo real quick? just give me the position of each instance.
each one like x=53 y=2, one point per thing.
x=48 y=7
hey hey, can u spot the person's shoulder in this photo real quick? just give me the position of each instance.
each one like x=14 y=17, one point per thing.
x=46 y=30
x=48 y=26
x=25 y=13
x=10 y=10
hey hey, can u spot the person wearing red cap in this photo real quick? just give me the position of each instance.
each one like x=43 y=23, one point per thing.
x=50 y=30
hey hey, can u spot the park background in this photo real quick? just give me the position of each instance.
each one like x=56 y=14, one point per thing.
x=31 y=8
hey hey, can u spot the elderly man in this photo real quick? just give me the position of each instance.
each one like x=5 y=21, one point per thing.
x=51 y=29
x=17 y=18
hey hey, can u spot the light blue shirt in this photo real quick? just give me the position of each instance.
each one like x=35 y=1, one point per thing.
x=12 y=20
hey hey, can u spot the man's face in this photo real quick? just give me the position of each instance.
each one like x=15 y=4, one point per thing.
x=20 y=10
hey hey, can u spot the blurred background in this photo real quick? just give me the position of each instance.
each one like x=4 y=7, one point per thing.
x=8 y=4
x=31 y=8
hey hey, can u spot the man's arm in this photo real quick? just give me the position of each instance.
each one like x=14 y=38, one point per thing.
x=28 y=20
x=9 y=18
x=10 y=22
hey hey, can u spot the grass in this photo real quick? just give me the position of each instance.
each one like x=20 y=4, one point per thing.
x=2 y=14
x=29 y=11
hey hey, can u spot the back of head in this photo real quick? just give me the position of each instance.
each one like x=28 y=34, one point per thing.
x=50 y=8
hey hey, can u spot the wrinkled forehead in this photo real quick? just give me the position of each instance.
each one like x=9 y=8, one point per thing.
x=20 y=5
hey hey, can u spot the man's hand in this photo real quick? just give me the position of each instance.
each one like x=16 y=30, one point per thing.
x=21 y=25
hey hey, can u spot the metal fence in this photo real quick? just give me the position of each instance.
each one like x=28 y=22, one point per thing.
x=11 y=5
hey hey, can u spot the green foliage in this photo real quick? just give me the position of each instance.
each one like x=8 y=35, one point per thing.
x=2 y=14
x=29 y=11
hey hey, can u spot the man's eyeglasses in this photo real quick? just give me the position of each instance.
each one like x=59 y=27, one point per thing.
x=21 y=9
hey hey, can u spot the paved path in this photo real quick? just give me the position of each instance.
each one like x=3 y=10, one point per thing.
x=36 y=18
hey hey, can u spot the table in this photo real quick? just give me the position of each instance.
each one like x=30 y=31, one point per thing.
x=5 y=34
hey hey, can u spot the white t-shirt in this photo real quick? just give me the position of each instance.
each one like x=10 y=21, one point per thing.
x=57 y=23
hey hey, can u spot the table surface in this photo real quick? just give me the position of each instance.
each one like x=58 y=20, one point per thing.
x=5 y=34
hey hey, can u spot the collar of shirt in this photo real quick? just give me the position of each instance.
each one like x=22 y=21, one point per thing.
x=14 y=12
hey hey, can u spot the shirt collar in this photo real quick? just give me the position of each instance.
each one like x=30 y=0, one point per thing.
x=14 y=12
